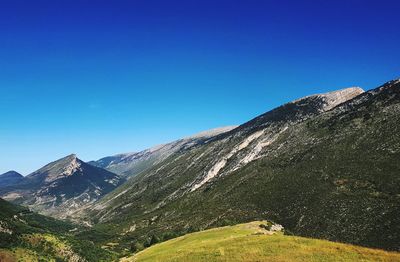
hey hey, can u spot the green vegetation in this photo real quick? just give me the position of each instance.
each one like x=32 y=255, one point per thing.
x=27 y=236
x=332 y=176
x=249 y=242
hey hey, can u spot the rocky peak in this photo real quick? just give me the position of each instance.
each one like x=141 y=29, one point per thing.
x=332 y=99
x=62 y=186
x=335 y=98
x=71 y=157
x=60 y=168
x=301 y=109
x=68 y=166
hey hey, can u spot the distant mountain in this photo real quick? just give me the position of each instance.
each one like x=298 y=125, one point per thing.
x=131 y=164
x=62 y=187
x=10 y=178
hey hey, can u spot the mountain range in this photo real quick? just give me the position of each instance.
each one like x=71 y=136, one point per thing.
x=323 y=166
x=62 y=187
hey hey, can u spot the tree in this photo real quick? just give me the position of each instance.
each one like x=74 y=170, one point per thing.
x=154 y=240
x=136 y=246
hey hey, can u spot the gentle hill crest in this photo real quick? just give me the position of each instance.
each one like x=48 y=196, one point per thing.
x=254 y=242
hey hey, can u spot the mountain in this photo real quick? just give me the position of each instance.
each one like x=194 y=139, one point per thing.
x=27 y=236
x=131 y=164
x=10 y=178
x=185 y=171
x=255 y=241
x=323 y=166
x=62 y=187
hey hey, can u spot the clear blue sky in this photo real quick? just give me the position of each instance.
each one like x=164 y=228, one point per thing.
x=103 y=77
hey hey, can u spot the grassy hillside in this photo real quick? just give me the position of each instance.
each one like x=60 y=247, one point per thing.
x=27 y=236
x=250 y=242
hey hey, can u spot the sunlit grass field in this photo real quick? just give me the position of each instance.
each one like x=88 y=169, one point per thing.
x=249 y=242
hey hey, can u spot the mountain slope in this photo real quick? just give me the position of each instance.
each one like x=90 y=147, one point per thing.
x=10 y=178
x=62 y=187
x=226 y=152
x=131 y=164
x=253 y=242
x=334 y=176
x=322 y=169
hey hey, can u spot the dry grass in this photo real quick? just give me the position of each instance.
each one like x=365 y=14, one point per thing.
x=246 y=242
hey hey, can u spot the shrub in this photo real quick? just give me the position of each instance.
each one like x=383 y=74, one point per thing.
x=154 y=240
x=136 y=247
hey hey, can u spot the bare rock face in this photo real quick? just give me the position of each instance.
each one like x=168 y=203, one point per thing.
x=335 y=98
x=59 y=169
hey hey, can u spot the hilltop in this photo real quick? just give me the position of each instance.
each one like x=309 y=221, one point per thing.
x=255 y=241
